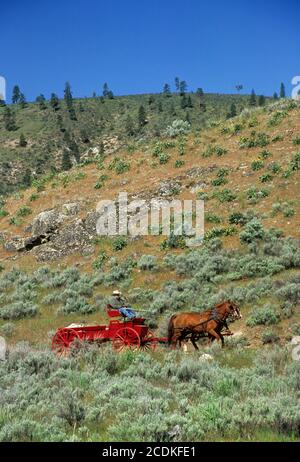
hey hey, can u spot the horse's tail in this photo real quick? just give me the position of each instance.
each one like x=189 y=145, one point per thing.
x=171 y=329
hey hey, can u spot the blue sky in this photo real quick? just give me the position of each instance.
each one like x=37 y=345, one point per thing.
x=138 y=45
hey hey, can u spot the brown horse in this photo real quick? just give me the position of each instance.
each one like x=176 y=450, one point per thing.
x=193 y=325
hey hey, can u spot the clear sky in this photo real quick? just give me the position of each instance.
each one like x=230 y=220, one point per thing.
x=138 y=45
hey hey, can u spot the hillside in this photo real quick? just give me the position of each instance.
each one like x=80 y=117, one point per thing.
x=56 y=270
x=109 y=123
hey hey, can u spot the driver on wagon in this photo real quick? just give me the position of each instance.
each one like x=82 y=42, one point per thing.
x=119 y=303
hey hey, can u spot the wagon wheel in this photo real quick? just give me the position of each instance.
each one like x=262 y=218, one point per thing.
x=78 y=342
x=149 y=342
x=126 y=337
x=61 y=343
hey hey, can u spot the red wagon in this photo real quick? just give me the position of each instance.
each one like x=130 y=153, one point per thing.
x=131 y=334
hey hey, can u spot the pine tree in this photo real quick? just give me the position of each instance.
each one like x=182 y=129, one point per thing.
x=69 y=101
x=107 y=93
x=22 y=141
x=22 y=101
x=239 y=87
x=16 y=94
x=200 y=92
x=151 y=100
x=66 y=163
x=142 y=117
x=189 y=102
x=282 y=90
x=177 y=84
x=182 y=87
x=105 y=90
x=252 y=99
x=54 y=102
x=9 y=119
x=42 y=102
x=261 y=100
x=275 y=96
x=167 y=90
x=232 y=111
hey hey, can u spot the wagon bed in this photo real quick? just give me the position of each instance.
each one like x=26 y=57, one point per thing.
x=131 y=334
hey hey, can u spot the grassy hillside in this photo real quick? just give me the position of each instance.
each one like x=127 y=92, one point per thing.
x=107 y=123
x=247 y=171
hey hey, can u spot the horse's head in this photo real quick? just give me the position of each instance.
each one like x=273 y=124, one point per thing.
x=233 y=310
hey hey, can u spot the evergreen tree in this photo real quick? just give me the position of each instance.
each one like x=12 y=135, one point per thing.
x=282 y=90
x=42 y=102
x=275 y=96
x=177 y=84
x=239 y=87
x=16 y=94
x=54 y=102
x=142 y=117
x=252 y=99
x=200 y=92
x=69 y=101
x=9 y=119
x=151 y=100
x=189 y=102
x=261 y=100
x=22 y=101
x=105 y=90
x=232 y=111
x=22 y=141
x=182 y=87
x=167 y=90
x=107 y=93
x=66 y=163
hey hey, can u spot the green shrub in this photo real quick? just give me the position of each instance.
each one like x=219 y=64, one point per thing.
x=173 y=242
x=147 y=262
x=296 y=141
x=264 y=154
x=179 y=163
x=277 y=138
x=263 y=316
x=119 y=243
x=163 y=158
x=225 y=195
x=269 y=337
x=256 y=140
x=257 y=165
x=19 y=310
x=23 y=211
x=119 y=165
x=178 y=127
x=254 y=194
x=212 y=218
x=99 y=261
x=266 y=177
x=252 y=232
